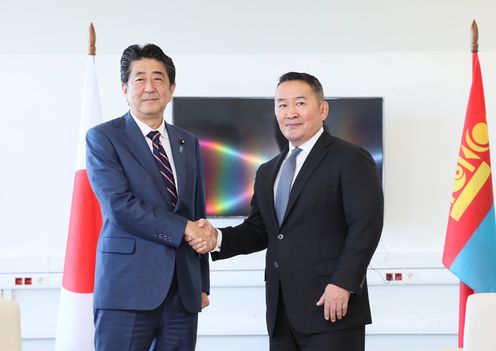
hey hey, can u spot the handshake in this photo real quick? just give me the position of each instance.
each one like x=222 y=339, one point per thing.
x=201 y=236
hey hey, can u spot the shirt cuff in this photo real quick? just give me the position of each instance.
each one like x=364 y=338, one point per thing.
x=219 y=241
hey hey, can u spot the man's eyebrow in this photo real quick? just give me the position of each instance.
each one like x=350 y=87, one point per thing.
x=295 y=98
x=154 y=72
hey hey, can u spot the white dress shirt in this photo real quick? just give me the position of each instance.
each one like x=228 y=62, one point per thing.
x=306 y=147
x=164 y=140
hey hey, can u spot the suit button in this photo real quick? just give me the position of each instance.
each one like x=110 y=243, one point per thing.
x=276 y=264
x=280 y=237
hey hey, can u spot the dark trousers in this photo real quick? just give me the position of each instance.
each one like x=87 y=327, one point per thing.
x=286 y=338
x=170 y=327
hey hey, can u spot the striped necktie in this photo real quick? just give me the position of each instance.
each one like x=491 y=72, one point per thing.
x=164 y=166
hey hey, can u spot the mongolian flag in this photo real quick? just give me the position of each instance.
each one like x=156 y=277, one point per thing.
x=75 y=318
x=470 y=246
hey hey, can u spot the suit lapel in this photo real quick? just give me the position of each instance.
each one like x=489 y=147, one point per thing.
x=141 y=150
x=312 y=161
x=178 y=155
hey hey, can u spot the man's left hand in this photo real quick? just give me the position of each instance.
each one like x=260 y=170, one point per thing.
x=335 y=301
x=204 y=300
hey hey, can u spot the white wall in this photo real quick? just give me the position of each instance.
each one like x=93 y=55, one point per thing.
x=255 y=26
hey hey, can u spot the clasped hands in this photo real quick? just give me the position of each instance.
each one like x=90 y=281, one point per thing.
x=201 y=236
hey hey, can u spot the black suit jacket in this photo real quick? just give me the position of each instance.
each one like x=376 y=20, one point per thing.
x=331 y=229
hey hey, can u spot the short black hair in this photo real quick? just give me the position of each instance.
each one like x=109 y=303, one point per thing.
x=138 y=52
x=304 y=77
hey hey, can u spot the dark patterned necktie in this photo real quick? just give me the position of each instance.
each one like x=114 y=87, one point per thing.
x=284 y=187
x=164 y=166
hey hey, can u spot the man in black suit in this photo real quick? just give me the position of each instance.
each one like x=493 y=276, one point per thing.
x=318 y=210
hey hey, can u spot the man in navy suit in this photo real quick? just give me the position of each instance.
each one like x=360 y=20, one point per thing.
x=318 y=210
x=148 y=177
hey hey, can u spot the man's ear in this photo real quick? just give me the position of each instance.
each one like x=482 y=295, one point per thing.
x=172 y=89
x=324 y=110
x=124 y=92
x=124 y=88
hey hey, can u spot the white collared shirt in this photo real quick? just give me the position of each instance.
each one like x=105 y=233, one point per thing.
x=306 y=147
x=164 y=140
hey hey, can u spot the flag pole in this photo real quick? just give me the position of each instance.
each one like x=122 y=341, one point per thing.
x=474 y=35
x=92 y=43
x=465 y=290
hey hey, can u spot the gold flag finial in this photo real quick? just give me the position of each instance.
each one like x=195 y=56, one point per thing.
x=474 y=35
x=92 y=47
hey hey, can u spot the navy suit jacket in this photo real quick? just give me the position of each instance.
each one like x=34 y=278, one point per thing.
x=141 y=242
x=330 y=231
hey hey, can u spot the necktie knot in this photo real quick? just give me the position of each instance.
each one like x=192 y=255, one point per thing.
x=296 y=151
x=154 y=134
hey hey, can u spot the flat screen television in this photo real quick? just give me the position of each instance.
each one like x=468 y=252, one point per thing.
x=238 y=134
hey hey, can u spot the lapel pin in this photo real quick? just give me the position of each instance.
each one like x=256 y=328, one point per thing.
x=181 y=143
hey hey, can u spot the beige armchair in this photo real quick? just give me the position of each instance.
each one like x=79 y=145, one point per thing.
x=10 y=326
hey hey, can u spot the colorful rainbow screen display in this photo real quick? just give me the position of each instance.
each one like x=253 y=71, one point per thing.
x=238 y=134
x=230 y=176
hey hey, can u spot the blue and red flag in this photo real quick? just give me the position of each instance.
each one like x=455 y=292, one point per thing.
x=470 y=246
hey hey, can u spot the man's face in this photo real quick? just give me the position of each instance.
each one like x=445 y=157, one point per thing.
x=148 y=90
x=299 y=111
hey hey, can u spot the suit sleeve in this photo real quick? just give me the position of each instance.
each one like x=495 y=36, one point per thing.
x=248 y=237
x=109 y=182
x=363 y=204
x=202 y=213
